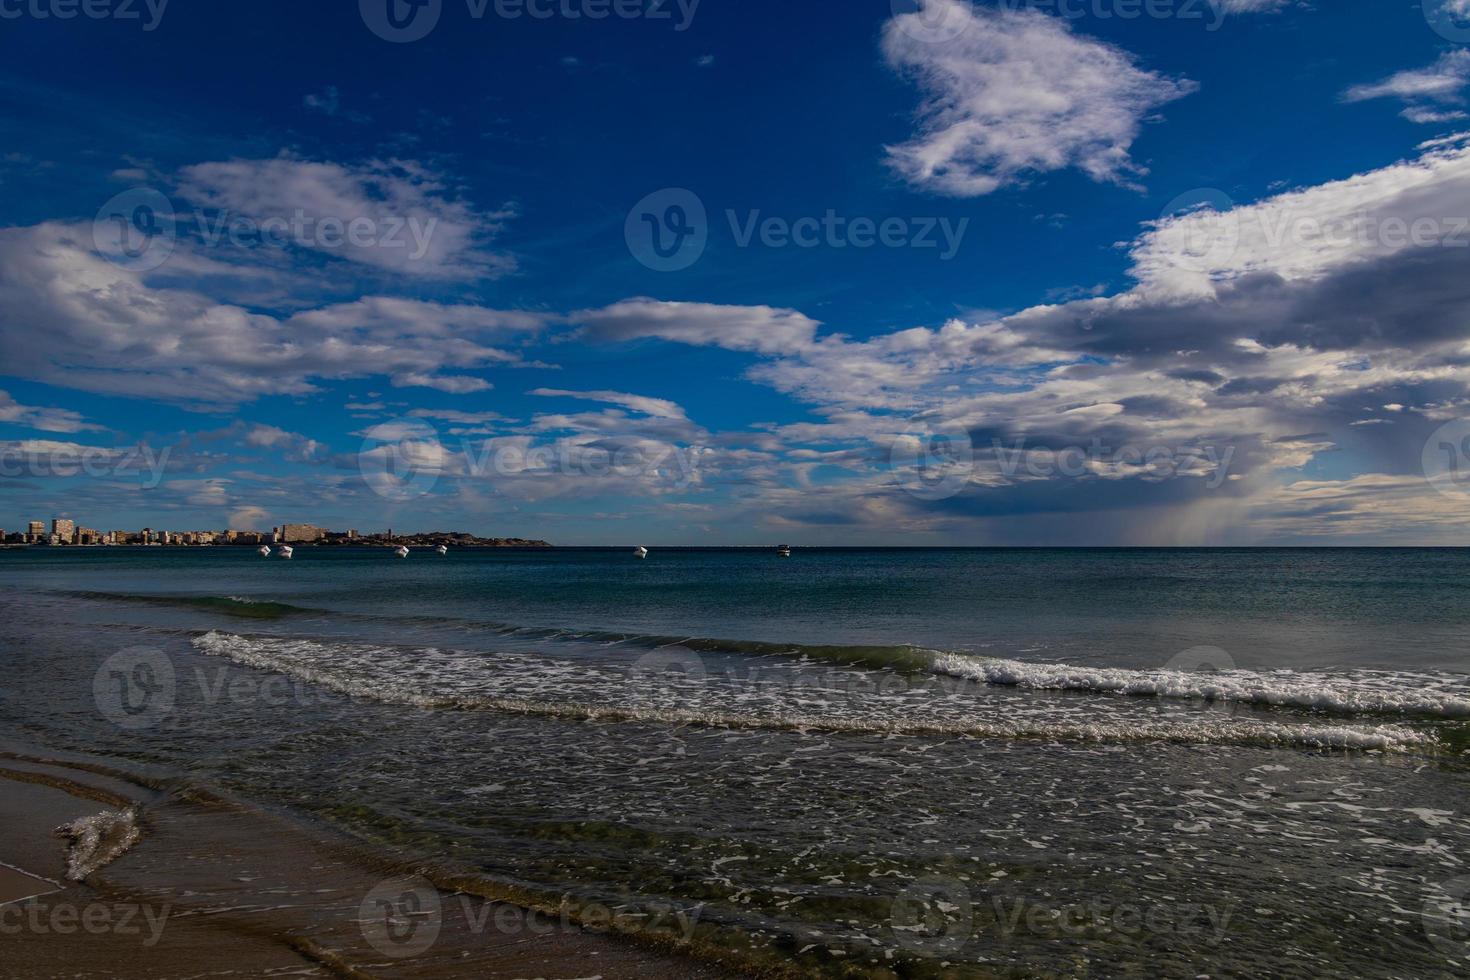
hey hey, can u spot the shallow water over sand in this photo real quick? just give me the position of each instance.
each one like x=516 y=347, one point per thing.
x=1116 y=763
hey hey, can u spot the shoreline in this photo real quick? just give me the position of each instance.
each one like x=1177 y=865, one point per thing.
x=217 y=886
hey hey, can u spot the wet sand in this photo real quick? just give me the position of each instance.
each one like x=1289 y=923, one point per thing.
x=215 y=887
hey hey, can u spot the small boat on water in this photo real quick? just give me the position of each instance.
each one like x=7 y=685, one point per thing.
x=443 y=549
x=640 y=552
x=263 y=551
x=783 y=551
x=401 y=551
x=285 y=551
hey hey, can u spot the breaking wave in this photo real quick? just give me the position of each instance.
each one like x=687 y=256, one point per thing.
x=1360 y=692
x=333 y=667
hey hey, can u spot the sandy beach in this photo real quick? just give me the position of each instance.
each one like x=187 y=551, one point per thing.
x=214 y=887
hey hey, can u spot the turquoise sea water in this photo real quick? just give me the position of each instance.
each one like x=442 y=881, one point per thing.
x=867 y=762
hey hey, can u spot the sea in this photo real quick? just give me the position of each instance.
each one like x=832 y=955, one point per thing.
x=847 y=763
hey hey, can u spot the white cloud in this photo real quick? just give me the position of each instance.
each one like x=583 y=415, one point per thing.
x=1017 y=92
x=658 y=407
x=1424 y=90
x=762 y=329
x=1249 y=6
x=1275 y=341
x=249 y=518
x=286 y=445
x=397 y=216
x=45 y=419
x=1307 y=234
x=454 y=384
x=71 y=318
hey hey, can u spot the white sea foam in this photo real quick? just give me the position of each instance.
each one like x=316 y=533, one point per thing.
x=335 y=668
x=98 y=840
x=1350 y=693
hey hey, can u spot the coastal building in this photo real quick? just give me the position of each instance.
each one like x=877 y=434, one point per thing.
x=36 y=531
x=63 y=530
x=298 y=533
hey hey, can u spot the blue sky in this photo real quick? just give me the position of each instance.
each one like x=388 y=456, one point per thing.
x=1047 y=273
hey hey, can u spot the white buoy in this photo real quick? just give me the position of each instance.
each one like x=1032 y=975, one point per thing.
x=401 y=552
x=640 y=552
x=285 y=551
x=442 y=549
x=263 y=551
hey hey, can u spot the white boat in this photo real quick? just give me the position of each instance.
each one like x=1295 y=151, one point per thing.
x=285 y=551
x=784 y=551
x=263 y=551
x=640 y=552
x=442 y=549
x=401 y=551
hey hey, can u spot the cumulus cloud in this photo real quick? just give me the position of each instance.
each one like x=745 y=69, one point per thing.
x=1014 y=93
x=107 y=329
x=1256 y=341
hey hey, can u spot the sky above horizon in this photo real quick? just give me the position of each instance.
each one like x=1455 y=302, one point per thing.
x=1153 y=272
